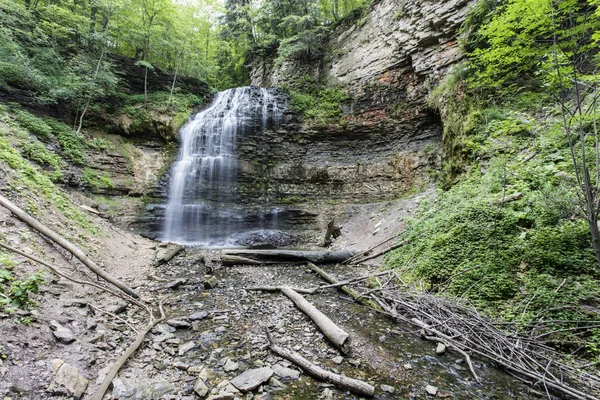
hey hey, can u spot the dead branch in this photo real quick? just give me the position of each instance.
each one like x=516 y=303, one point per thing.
x=114 y=370
x=70 y=247
x=335 y=334
x=341 y=286
x=169 y=255
x=464 y=330
x=382 y=252
x=354 y=385
x=352 y=259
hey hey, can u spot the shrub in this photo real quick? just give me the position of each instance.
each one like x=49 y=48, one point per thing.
x=33 y=124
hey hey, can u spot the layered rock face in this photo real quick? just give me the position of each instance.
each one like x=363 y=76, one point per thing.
x=388 y=61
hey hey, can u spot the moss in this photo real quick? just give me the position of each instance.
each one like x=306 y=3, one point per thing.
x=321 y=105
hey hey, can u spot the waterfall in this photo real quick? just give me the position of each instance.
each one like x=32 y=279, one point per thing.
x=201 y=207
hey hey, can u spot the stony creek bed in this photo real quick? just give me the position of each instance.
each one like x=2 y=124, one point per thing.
x=218 y=333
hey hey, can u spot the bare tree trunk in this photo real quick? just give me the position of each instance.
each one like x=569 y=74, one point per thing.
x=146 y=88
x=87 y=104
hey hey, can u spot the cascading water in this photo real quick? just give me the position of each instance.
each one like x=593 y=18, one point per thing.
x=203 y=187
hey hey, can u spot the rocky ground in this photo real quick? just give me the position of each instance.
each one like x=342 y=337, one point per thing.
x=213 y=344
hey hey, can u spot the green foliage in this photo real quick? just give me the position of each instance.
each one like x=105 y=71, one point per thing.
x=92 y=179
x=321 y=105
x=72 y=145
x=38 y=152
x=15 y=293
x=511 y=44
x=33 y=124
x=100 y=144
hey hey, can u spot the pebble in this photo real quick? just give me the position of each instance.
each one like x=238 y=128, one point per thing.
x=432 y=390
x=388 y=389
x=230 y=366
x=198 y=316
x=179 y=323
x=181 y=365
x=407 y=366
x=338 y=360
x=440 y=349
x=176 y=283
x=201 y=388
x=62 y=334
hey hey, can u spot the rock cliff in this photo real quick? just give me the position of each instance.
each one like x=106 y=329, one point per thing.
x=389 y=139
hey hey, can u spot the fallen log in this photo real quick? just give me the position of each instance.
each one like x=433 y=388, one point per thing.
x=169 y=255
x=354 y=385
x=335 y=334
x=64 y=243
x=227 y=259
x=263 y=256
x=277 y=289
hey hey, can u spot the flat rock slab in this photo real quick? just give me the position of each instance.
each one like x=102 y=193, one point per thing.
x=285 y=372
x=198 y=316
x=252 y=378
x=67 y=381
x=140 y=389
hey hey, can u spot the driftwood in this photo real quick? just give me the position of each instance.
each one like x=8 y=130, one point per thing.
x=277 y=289
x=336 y=335
x=354 y=385
x=265 y=256
x=114 y=370
x=70 y=247
x=169 y=255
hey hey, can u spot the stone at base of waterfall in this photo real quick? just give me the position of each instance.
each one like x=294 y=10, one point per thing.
x=252 y=378
x=211 y=282
x=285 y=372
x=62 y=334
x=230 y=366
x=67 y=381
x=440 y=349
x=140 y=389
x=407 y=366
x=198 y=316
x=432 y=390
x=179 y=323
x=184 y=348
x=201 y=388
x=388 y=389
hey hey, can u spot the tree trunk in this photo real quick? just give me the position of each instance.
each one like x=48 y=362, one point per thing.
x=595 y=238
x=146 y=88
x=92 y=31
